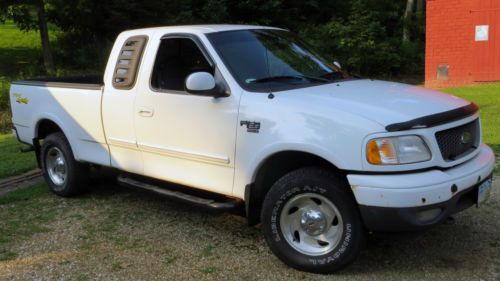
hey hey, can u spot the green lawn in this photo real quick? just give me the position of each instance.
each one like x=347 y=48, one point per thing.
x=19 y=51
x=21 y=222
x=13 y=162
x=20 y=56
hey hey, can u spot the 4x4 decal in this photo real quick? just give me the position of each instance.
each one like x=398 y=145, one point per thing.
x=252 y=126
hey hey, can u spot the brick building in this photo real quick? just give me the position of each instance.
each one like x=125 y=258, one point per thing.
x=462 y=42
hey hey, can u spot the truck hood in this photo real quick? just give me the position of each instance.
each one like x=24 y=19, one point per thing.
x=383 y=102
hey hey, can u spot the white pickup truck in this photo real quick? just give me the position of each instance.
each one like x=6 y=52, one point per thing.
x=250 y=118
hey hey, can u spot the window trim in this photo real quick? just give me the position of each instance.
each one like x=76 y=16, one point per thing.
x=200 y=46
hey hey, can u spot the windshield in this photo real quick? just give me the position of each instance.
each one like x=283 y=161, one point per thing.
x=267 y=59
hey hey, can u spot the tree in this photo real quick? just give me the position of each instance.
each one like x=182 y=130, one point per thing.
x=420 y=6
x=371 y=37
x=406 y=18
x=44 y=36
x=30 y=15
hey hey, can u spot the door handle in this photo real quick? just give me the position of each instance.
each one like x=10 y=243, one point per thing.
x=146 y=111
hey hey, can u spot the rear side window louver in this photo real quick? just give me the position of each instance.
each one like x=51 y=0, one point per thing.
x=128 y=61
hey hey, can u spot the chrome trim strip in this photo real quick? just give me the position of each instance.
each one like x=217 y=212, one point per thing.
x=183 y=154
x=49 y=84
x=122 y=143
x=19 y=125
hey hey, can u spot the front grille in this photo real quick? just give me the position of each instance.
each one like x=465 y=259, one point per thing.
x=457 y=142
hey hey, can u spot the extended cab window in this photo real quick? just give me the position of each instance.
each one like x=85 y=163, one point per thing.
x=128 y=62
x=176 y=59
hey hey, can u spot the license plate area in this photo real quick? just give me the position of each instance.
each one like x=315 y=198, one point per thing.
x=484 y=191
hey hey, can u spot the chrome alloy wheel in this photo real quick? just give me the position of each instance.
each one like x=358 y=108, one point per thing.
x=311 y=224
x=57 y=168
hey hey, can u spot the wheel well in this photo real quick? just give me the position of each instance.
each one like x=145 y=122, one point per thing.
x=46 y=127
x=275 y=167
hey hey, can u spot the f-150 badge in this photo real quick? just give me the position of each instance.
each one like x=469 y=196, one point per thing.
x=20 y=99
x=252 y=127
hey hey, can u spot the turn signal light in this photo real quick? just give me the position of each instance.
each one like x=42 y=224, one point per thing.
x=397 y=150
x=381 y=151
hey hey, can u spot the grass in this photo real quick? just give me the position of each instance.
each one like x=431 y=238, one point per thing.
x=210 y=270
x=6 y=255
x=18 y=50
x=13 y=162
x=22 y=195
x=20 y=57
x=207 y=251
x=18 y=221
x=76 y=239
x=170 y=259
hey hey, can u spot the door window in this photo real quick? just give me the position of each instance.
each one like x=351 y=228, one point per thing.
x=176 y=59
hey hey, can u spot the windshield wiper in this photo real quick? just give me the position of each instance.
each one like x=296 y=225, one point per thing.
x=289 y=77
x=336 y=76
x=314 y=78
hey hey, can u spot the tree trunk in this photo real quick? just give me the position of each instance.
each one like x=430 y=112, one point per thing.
x=406 y=18
x=420 y=6
x=48 y=60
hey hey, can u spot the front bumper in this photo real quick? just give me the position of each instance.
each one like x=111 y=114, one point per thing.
x=414 y=201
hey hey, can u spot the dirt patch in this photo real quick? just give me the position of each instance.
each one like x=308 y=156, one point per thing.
x=118 y=234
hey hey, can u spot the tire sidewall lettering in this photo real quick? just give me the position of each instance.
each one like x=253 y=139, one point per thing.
x=275 y=213
x=337 y=252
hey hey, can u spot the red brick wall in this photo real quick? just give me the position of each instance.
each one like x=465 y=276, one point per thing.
x=449 y=35
x=451 y=45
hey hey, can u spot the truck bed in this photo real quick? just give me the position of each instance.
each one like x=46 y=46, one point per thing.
x=72 y=103
x=90 y=82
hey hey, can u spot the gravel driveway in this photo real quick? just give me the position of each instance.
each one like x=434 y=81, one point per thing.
x=118 y=234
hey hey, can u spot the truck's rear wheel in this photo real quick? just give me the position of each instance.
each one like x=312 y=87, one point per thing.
x=311 y=221
x=64 y=175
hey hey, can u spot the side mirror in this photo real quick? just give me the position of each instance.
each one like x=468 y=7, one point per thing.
x=337 y=64
x=202 y=83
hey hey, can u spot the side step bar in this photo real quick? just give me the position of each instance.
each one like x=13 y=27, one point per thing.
x=228 y=205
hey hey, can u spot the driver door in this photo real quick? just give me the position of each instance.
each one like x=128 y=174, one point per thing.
x=185 y=138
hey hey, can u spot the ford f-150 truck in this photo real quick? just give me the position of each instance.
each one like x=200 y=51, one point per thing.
x=249 y=118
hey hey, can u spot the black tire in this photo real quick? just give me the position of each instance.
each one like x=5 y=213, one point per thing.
x=76 y=173
x=333 y=187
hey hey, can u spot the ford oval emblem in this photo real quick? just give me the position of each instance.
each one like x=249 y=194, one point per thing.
x=466 y=138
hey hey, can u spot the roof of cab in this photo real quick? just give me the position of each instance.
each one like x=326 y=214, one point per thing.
x=204 y=28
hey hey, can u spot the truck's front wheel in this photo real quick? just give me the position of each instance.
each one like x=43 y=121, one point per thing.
x=311 y=222
x=63 y=174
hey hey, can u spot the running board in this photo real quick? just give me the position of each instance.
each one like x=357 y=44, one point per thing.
x=227 y=205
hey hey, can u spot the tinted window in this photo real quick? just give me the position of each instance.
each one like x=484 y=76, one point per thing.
x=263 y=59
x=177 y=58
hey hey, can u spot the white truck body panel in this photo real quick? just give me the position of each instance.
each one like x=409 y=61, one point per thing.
x=76 y=111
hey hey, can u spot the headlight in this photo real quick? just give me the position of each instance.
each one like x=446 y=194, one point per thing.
x=397 y=150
